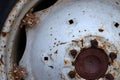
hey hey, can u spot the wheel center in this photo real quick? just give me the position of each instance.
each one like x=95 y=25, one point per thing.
x=91 y=63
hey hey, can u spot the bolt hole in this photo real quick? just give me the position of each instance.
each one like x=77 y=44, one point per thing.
x=71 y=21
x=113 y=56
x=71 y=74
x=116 y=25
x=73 y=53
x=109 y=76
x=44 y=4
x=94 y=43
x=45 y=58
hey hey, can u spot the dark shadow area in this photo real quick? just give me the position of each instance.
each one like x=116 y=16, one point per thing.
x=21 y=45
x=5 y=8
x=44 y=4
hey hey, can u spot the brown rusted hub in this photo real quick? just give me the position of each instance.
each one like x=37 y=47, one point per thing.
x=91 y=63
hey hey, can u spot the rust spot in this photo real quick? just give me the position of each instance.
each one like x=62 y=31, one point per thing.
x=72 y=74
x=18 y=72
x=116 y=25
x=51 y=67
x=66 y=61
x=113 y=56
x=109 y=76
x=91 y=63
x=56 y=52
x=73 y=63
x=76 y=41
x=1 y=60
x=94 y=43
x=82 y=42
x=100 y=30
x=73 y=53
x=30 y=19
x=63 y=43
x=4 y=34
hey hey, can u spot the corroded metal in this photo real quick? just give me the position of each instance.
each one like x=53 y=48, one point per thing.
x=8 y=36
x=56 y=42
x=91 y=63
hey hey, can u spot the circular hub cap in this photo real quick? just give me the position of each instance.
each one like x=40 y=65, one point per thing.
x=91 y=63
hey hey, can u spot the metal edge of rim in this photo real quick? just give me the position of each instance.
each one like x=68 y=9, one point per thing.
x=7 y=36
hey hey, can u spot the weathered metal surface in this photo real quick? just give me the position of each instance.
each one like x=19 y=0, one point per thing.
x=64 y=30
x=8 y=37
x=55 y=42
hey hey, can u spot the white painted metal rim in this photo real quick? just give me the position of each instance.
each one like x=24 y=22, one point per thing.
x=8 y=34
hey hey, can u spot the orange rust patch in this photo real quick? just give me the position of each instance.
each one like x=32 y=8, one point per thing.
x=66 y=61
x=18 y=72
x=29 y=20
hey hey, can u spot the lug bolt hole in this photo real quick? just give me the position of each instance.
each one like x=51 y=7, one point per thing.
x=94 y=43
x=73 y=53
x=109 y=76
x=112 y=56
x=45 y=58
x=71 y=74
x=116 y=25
x=71 y=21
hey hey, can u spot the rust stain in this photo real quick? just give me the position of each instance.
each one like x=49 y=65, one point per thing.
x=4 y=34
x=100 y=30
x=82 y=42
x=1 y=60
x=56 y=52
x=113 y=56
x=30 y=19
x=18 y=72
x=109 y=76
x=73 y=53
x=66 y=61
x=72 y=74
x=73 y=63
x=63 y=43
